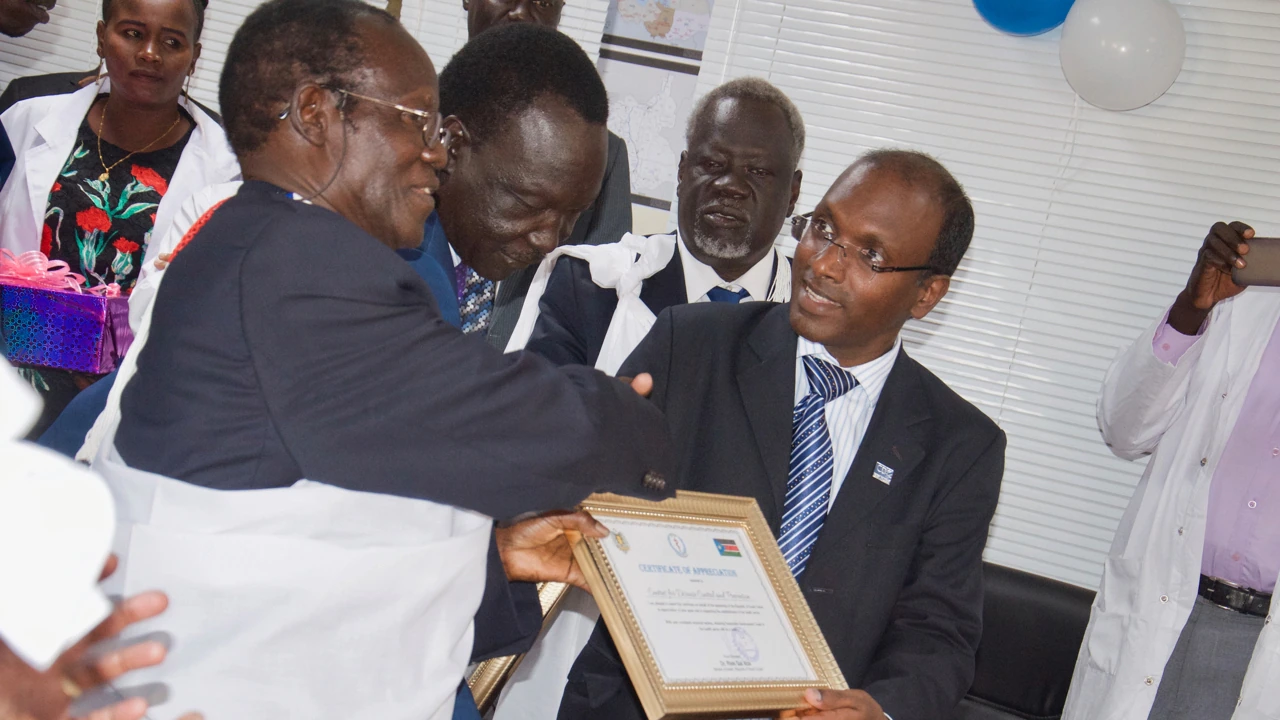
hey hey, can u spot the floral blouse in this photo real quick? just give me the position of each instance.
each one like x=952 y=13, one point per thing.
x=101 y=227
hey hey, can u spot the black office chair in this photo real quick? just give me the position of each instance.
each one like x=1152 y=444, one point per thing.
x=1031 y=634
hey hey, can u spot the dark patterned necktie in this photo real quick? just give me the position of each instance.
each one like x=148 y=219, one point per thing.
x=719 y=294
x=475 y=299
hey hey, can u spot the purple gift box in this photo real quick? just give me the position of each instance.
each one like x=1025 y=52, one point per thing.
x=63 y=329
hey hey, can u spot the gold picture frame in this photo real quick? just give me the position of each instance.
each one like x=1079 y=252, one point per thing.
x=663 y=700
x=490 y=676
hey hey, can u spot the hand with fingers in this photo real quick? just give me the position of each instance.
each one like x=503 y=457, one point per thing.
x=839 y=705
x=26 y=694
x=537 y=550
x=642 y=384
x=1224 y=249
x=18 y=17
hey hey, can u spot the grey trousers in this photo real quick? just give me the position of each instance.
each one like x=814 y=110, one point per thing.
x=1202 y=679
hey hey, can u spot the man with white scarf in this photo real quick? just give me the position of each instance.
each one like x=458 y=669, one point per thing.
x=738 y=181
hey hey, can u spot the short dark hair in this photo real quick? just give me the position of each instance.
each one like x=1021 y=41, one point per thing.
x=752 y=88
x=921 y=169
x=505 y=69
x=281 y=45
x=199 y=5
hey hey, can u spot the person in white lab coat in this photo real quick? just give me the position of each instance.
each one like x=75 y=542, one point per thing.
x=1181 y=625
x=101 y=171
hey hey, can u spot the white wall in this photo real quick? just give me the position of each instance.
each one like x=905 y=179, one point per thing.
x=1088 y=221
x=68 y=41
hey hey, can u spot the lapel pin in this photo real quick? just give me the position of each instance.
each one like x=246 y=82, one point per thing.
x=883 y=473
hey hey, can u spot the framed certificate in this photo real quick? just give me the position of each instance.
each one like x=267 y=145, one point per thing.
x=705 y=613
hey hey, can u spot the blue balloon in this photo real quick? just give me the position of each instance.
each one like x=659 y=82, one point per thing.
x=1024 y=17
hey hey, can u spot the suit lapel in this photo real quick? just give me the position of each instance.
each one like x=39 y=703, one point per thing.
x=665 y=287
x=767 y=383
x=893 y=439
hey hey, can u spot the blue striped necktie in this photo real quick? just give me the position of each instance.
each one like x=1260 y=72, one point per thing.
x=812 y=466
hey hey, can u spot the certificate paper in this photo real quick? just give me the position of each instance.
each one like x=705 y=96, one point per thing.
x=706 y=616
x=704 y=603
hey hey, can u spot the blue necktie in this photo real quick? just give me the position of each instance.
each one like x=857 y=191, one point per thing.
x=475 y=299
x=719 y=294
x=812 y=466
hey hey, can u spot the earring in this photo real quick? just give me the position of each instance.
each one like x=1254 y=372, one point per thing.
x=102 y=71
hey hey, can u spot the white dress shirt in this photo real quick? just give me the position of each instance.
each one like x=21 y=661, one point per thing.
x=700 y=277
x=848 y=415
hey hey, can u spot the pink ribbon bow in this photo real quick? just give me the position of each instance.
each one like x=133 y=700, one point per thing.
x=33 y=269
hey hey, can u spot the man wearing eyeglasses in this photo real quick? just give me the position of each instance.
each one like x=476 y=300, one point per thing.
x=738 y=181
x=878 y=481
x=310 y=457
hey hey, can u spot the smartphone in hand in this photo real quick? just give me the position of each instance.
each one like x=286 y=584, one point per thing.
x=1262 y=264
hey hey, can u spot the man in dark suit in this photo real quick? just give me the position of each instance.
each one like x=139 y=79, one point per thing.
x=738 y=181
x=605 y=220
x=290 y=342
x=878 y=480
x=524 y=105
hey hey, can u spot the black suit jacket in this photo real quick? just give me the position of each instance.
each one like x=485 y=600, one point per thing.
x=287 y=343
x=574 y=312
x=606 y=221
x=895 y=580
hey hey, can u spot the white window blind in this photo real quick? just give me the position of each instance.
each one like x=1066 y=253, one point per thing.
x=68 y=42
x=1088 y=221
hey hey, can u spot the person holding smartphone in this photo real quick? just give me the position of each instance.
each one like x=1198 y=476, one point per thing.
x=1181 y=625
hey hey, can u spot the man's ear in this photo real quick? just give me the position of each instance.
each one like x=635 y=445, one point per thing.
x=932 y=291
x=457 y=136
x=195 y=56
x=101 y=32
x=795 y=192
x=315 y=113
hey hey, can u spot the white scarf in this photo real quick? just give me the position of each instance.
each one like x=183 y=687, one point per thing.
x=623 y=265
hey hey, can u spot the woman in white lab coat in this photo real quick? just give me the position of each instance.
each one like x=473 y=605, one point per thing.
x=101 y=171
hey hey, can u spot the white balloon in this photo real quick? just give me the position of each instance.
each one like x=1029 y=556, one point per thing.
x=1122 y=54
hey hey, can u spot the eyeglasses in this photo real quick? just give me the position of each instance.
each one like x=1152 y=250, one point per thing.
x=433 y=131
x=818 y=234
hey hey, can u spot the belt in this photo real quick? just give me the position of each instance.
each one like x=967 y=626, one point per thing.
x=1234 y=597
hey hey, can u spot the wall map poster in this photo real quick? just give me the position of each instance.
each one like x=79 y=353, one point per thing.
x=650 y=56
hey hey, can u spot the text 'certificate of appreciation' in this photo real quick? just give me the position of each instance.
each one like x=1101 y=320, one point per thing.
x=704 y=603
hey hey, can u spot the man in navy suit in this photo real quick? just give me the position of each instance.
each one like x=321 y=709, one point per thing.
x=878 y=480
x=738 y=182
x=506 y=152
x=363 y=385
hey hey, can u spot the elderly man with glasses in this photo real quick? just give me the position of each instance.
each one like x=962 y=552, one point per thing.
x=301 y=462
x=877 y=480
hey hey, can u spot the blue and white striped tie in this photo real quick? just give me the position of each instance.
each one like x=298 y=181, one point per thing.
x=812 y=466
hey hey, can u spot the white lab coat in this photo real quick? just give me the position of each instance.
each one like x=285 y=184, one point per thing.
x=43 y=133
x=1182 y=416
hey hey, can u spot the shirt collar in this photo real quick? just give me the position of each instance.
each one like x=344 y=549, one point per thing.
x=700 y=277
x=871 y=375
